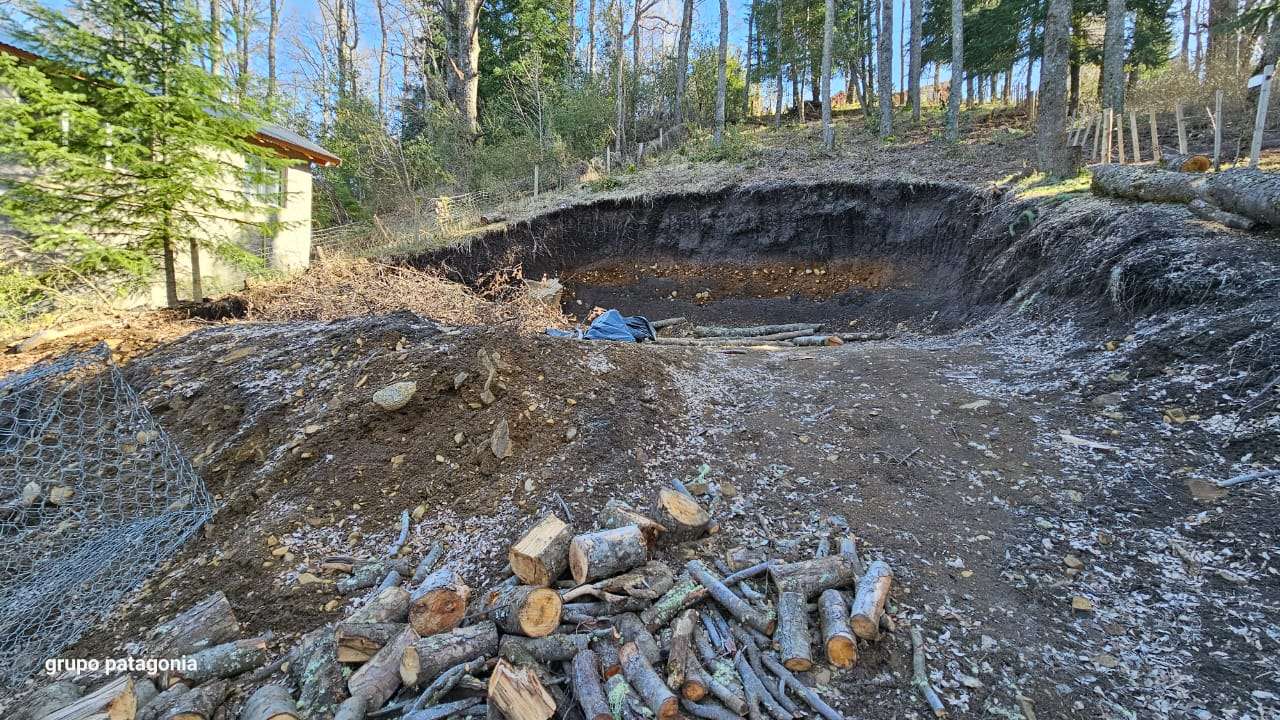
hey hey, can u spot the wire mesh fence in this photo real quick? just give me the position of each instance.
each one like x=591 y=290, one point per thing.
x=93 y=496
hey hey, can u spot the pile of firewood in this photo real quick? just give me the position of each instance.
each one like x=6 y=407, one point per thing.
x=628 y=637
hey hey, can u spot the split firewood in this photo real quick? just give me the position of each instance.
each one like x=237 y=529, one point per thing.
x=353 y=708
x=379 y=678
x=552 y=648
x=618 y=514
x=116 y=700
x=920 y=674
x=633 y=630
x=817 y=341
x=518 y=693
x=754 y=331
x=389 y=606
x=358 y=642
x=428 y=562
x=47 y=699
x=369 y=574
x=641 y=676
x=806 y=693
x=161 y=704
x=811 y=577
x=681 y=515
x=793 y=634
x=606 y=553
x=681 y=653
x=542 y=554
x=270 y=702
x=207 y=623
x=425 y=659
x=737 y=607
x=587 y=687
x=525 y=610
x=840 y=645
x=868 y=603
x=685 y=593
x=707 y=711
x=226 y=660
x=315 y=670
x=199 y=703
x=438 y=604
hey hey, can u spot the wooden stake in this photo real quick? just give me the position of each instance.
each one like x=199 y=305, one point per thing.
x=868 y=603
x=525 y=610
x=1217 y=130
x=1182 y=128
x=793 y=634
x=841 y=646
x=1118 y=124
x=519 y=694
x=1097 y=137
x=587 y=688
x=439 y=603
x=541 y=556
x=270 y=702
x=1260 y=122
x=641 y=676
x=378 y=679
x=1133 y=131
x=1155 y=139
x=607 y=552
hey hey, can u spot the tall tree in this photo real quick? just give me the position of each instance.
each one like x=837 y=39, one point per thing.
x=777 y=111
x=1222 y=34
x=751 y=28
x=917 y=23
x=682 y=58
x=956 y=95
x=1053 y=155
x=273 y=30
x=467 y=65
x=1113 y=44
x=215 y=37
x=591 y=38
x=828 y=39
x=885 y=78
x=1185 y=54
x=722 y=77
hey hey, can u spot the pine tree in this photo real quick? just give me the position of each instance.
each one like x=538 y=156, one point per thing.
x=127 y=146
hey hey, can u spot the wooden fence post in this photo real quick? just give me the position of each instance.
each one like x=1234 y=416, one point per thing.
x=1182 y=128
x=1260 y=123
x=1155 y=138
x=1107 y=135
x=536 y=179
x=1119 y=124
x=1133 y=129
x=1097 y=137
x=1217 y=131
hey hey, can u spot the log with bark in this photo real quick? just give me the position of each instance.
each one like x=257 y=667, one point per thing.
x=207 y=623
x=541 y=556
x=518 y=693
x=525 y=610
x=1255 y=194
x=161 y=704
x=754 y=331
x=224 y=661
x=199 y=703
x=549 y=649
x=608 y=552
x=641 y=676
x=1171 y=159
x=685 y=592
x=681 y=515
x=631 y=629
x=618 y=514
x=817 y=341
x=1144 y=182
x=389 y=606
x=868 y=603
x=315 y=670
x=805 y=692
x=270 y=702
x=841 y=647
x=1239 y=198
x=378 y=679
x=736 y=606
x=425 y=659
x=606 y=650
x=793 y=636
x=115 y=700
x=681 y=652
x=369 y=574
x=587 y=686
x=353 y=708
x=47 y=699
x=920 y=675
x=1203 y=210
x=358 y=642
x=439 y=603
x=811 y=577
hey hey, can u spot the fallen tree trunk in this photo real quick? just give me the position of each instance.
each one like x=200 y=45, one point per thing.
x=378 y=679
x=1231 y=197
x=541 y=556
x=817 y=341
x=1252 y=193
x=425 y=659
x=205 y=624
x=754 y=331
x=1203 y=210
x=438 y=604
x=1144 y=182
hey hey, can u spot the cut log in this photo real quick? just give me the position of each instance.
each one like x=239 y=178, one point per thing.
x=389 y=606
x=811 y=577
x=868 y=603
x=680 y=655
x=683 y=594
x=525 y=610
x=707 y=711
x=207 y=623
x=633 y=630
x=541 y=556
x=719 y=686
x=378 y=679
x=737 y=607
x=314 y=667
x=647 y=582
x=200 y=703
x=840 y=645
x=518 y=693
x=667 y=322
x=756 y=690
x=353 y=708
x=1205 y=211
x=1141 y=182
x=47 y=699
x=358 y=642
x=369 y=574
x=793 y=636
x=1255 y=194
x=817 y=341
x=754 y=331
x=608 y=552
x=161 y=704
x=606 y=650
x=225 y=660
x=439 y=603
x=550 y=649
x=587 y=688
x=270 y=702
x=641 y=676
x=444 y=711
x=113 y=701
x=428 y=562
x=681 y=515
x=1184 y=162
x=618 y=514
x=425 y=659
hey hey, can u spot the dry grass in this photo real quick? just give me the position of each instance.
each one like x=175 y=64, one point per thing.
x=339 y=287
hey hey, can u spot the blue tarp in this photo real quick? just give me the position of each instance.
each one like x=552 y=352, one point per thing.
x=612 y=325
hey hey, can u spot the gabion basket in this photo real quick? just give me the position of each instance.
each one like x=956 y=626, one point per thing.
x=93 y=496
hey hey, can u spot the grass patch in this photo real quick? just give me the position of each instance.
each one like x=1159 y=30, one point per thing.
x=1038 y=185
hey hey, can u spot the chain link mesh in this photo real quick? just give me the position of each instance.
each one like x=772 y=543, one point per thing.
x=93 y=496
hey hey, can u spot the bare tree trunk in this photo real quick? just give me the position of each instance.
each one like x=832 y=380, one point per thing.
x=380 y=6
x=341 y=32
x=917 y=21
x=1051 y=140
x=1113 y=58
x=620 y=132
x=751 y=26
x=828 y=37
x=573 y=35
x=215 y=29
x=273 y=30
x=777 y=111
x=885 y=75
x=591 y=38
x=957 y=70
x=637 y=15
x=469 y=65
x=682 y=58
x=1221 y=35
x=722 y=78
x=242 y=24
x=1185 y=54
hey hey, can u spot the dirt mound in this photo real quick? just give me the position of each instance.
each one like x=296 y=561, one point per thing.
x=279 y=419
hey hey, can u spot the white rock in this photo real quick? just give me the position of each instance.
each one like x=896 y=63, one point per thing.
x=396 y=395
